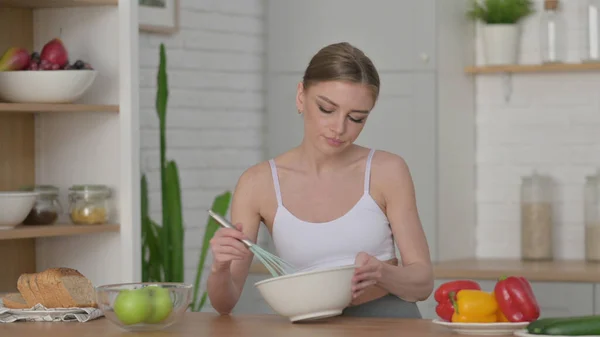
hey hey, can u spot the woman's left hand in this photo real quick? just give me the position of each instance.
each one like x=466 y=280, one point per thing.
x=367 y=274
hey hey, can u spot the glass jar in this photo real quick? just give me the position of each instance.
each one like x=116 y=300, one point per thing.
x=553 y=33
x=89 y=204
x=592 y=217
x=536 y=218
x=591 y=28
x=47 y=207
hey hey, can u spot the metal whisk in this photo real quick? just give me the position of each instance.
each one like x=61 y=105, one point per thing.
x=275 y=265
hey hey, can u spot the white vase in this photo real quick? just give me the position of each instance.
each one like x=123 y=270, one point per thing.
x=501 y=43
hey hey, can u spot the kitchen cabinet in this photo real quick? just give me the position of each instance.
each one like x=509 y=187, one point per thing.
x=397 y=34
x=91 y=141
x=554 y=298
x=426 y=108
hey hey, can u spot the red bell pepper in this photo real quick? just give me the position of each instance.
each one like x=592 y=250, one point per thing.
x=444 y=308
x=516 y=299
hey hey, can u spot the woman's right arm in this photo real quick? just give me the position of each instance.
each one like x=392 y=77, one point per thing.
x=231 y=258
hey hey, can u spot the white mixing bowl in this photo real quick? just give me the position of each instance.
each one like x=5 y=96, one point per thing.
x=14 y=207
x=45 y=86
x=309 y=295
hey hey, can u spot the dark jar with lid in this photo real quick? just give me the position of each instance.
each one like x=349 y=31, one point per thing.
x=47 y=208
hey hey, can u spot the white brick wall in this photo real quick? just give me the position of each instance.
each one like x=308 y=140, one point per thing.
x=216 y=106
x=551 y=125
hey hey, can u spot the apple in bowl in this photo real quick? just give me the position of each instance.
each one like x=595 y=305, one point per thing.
x=144 y=306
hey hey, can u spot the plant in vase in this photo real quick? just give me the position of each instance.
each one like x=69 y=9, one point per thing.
x=501 y=33
x=162 y=246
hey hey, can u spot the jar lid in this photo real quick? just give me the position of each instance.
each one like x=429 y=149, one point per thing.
x=551 y=4
x=91 y=190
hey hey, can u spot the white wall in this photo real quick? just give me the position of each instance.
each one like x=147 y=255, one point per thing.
x=216 y=124
x=216 y=105
x=550 y=124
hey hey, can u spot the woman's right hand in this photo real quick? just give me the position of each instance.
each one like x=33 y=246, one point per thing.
x=227 y=247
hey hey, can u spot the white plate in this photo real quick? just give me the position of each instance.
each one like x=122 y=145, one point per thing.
x=39 y=311
x=483 y=329
x=524 y=333
x=49 y=312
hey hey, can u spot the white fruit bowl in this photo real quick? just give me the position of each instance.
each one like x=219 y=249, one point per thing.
x=45 y=86
x=309 y=295
x=14 y=207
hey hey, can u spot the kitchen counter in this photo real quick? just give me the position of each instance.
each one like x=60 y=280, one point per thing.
x=491 y=269
x=213 y=325
x=547 y=271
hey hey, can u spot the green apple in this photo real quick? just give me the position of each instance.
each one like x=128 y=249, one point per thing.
x=132 y=306
x=160 y=302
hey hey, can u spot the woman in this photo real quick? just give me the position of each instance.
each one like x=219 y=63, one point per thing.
x=329 y=202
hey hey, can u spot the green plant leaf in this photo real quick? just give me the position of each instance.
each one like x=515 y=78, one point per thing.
x=162 y=94
x=202 y=301
x=175 y=223
x=144 y=213
x=155 y=269
x=162 y=88
x=500 y=11
x=151 y=260
x=220 y=206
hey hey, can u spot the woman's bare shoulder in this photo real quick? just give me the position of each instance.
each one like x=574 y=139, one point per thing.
x=389 y=164
x=390 y=174
x=255 y=177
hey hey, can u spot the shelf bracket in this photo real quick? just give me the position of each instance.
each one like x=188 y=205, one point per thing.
x=507 y=85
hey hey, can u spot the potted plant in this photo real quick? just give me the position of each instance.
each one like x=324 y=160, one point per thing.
x=162 y=245
x=501 y=33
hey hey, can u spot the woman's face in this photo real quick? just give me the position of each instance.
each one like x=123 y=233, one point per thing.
x=334 y=113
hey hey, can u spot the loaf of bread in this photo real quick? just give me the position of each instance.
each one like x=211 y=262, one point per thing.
x=53 y=288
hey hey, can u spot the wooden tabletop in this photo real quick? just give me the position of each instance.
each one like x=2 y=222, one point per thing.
x=492 y=269
x=214 y=325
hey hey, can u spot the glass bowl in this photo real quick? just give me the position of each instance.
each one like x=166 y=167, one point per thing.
x=144 y=306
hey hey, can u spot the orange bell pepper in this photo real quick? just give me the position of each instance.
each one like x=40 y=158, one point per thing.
x=474 y=306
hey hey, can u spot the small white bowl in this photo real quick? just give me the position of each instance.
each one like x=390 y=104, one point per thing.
x=14 y=207
x=45 y=86
x=309 y=295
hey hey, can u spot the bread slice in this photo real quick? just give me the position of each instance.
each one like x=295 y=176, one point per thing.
x=14 y=301
x=72 y=288
x=47 y=290
x=35 y=289
x=25 y=290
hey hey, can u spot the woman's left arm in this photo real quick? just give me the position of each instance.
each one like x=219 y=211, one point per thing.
x=412 y=280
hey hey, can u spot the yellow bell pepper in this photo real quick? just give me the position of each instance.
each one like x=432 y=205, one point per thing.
x=474 y=306
x=500 y=317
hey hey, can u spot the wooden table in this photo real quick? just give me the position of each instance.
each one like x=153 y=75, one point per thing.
x=214 y=325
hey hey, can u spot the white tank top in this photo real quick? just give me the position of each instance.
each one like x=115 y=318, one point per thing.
x=310 y=246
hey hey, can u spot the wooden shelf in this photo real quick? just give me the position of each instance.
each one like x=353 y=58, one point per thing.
x=31 y=108
x=56 y=3
x=27 y=232
x=533 y=68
